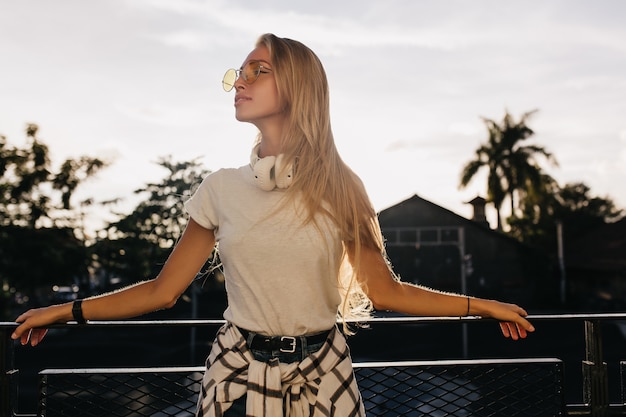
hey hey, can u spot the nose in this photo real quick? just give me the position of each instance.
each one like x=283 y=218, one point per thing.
x=239 y=83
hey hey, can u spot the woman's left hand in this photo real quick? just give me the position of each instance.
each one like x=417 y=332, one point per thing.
x=512 y=317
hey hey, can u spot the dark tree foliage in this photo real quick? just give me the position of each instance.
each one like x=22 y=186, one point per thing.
x=135 y=247
x=32 y=194
x=580 y=212
x=512 y=166
x=572 y=205
x=32 y=258
x=41 y=240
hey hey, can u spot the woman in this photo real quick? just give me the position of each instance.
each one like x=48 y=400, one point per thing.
x=300 y=245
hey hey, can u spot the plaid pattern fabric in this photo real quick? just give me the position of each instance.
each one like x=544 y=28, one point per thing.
x=322 y=385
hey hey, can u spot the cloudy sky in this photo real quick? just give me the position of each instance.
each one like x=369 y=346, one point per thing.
x=135 y=80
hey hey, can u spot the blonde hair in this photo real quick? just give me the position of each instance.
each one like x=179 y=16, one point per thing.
x=321 y=179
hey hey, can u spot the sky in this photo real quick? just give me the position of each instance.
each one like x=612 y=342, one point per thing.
x=132 y=81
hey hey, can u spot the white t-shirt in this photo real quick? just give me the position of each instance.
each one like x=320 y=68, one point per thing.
x=281 y=275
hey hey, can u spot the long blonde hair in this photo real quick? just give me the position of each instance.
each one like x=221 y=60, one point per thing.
x=321 y=179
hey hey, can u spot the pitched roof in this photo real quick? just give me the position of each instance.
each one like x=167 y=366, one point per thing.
x=416 y=200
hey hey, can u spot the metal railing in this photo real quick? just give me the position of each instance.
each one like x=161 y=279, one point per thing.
x=530 y=386
x=389 y=389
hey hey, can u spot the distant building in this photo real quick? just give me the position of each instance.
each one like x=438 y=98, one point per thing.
x=432 y=246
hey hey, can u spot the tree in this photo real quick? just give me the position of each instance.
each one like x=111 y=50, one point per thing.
x=39 y=243
x=34 y=196
x=134 y=247
x=580 y=212
x=512 y=168
x=572 y=205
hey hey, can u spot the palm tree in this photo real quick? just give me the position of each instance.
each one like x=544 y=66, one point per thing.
x=512 y=167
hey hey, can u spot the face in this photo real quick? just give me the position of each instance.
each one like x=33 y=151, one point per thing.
x=258 y=103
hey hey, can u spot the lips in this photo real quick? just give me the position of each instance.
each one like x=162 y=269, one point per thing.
x=240 y=99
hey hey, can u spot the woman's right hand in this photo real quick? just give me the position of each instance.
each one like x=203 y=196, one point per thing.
x=32 y=323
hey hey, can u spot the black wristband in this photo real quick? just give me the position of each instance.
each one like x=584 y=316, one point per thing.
x=77 y=312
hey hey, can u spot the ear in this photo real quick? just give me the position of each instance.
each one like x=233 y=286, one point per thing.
x=263 y=175
x=283 y=174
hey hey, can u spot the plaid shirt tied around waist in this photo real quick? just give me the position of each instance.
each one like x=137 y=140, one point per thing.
x=322 y=385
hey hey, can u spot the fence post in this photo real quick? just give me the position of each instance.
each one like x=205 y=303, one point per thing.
x=595 y=375
x=7 y=372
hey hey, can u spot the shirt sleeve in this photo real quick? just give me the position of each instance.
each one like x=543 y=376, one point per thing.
x=203 y=206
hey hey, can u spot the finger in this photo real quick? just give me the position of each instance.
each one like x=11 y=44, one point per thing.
x=524 y=325
x=510 y=330
x=37 y=336
x=26 y=337
x=20 y=332
x=16 y=334
x=517 y=330
x=505 y=329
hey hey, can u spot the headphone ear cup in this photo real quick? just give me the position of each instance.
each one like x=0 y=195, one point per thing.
x=263 y=175
x=283 y=174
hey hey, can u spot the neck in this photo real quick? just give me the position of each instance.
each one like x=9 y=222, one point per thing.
x=271 y=135
x=268 y=148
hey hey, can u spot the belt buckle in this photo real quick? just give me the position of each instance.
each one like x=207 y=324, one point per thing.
x=292 y=344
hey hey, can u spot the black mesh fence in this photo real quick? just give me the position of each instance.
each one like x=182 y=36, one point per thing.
x=440 y=388
x=155 y=392
x=463 y=388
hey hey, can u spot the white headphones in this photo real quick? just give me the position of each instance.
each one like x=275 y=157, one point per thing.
x=270 y=172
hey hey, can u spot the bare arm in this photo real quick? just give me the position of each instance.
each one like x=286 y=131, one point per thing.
x=190 y=253
x=387 y=293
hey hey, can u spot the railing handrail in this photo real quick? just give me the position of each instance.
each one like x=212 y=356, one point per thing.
x=390 y=320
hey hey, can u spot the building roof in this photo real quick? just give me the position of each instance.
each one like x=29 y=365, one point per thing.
x=416 y=201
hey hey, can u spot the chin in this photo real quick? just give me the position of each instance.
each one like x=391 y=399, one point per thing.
x=242 y=116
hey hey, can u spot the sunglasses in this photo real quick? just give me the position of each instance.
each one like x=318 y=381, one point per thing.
x=249 y=72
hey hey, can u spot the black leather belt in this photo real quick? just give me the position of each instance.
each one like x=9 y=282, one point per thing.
x=285 y=344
